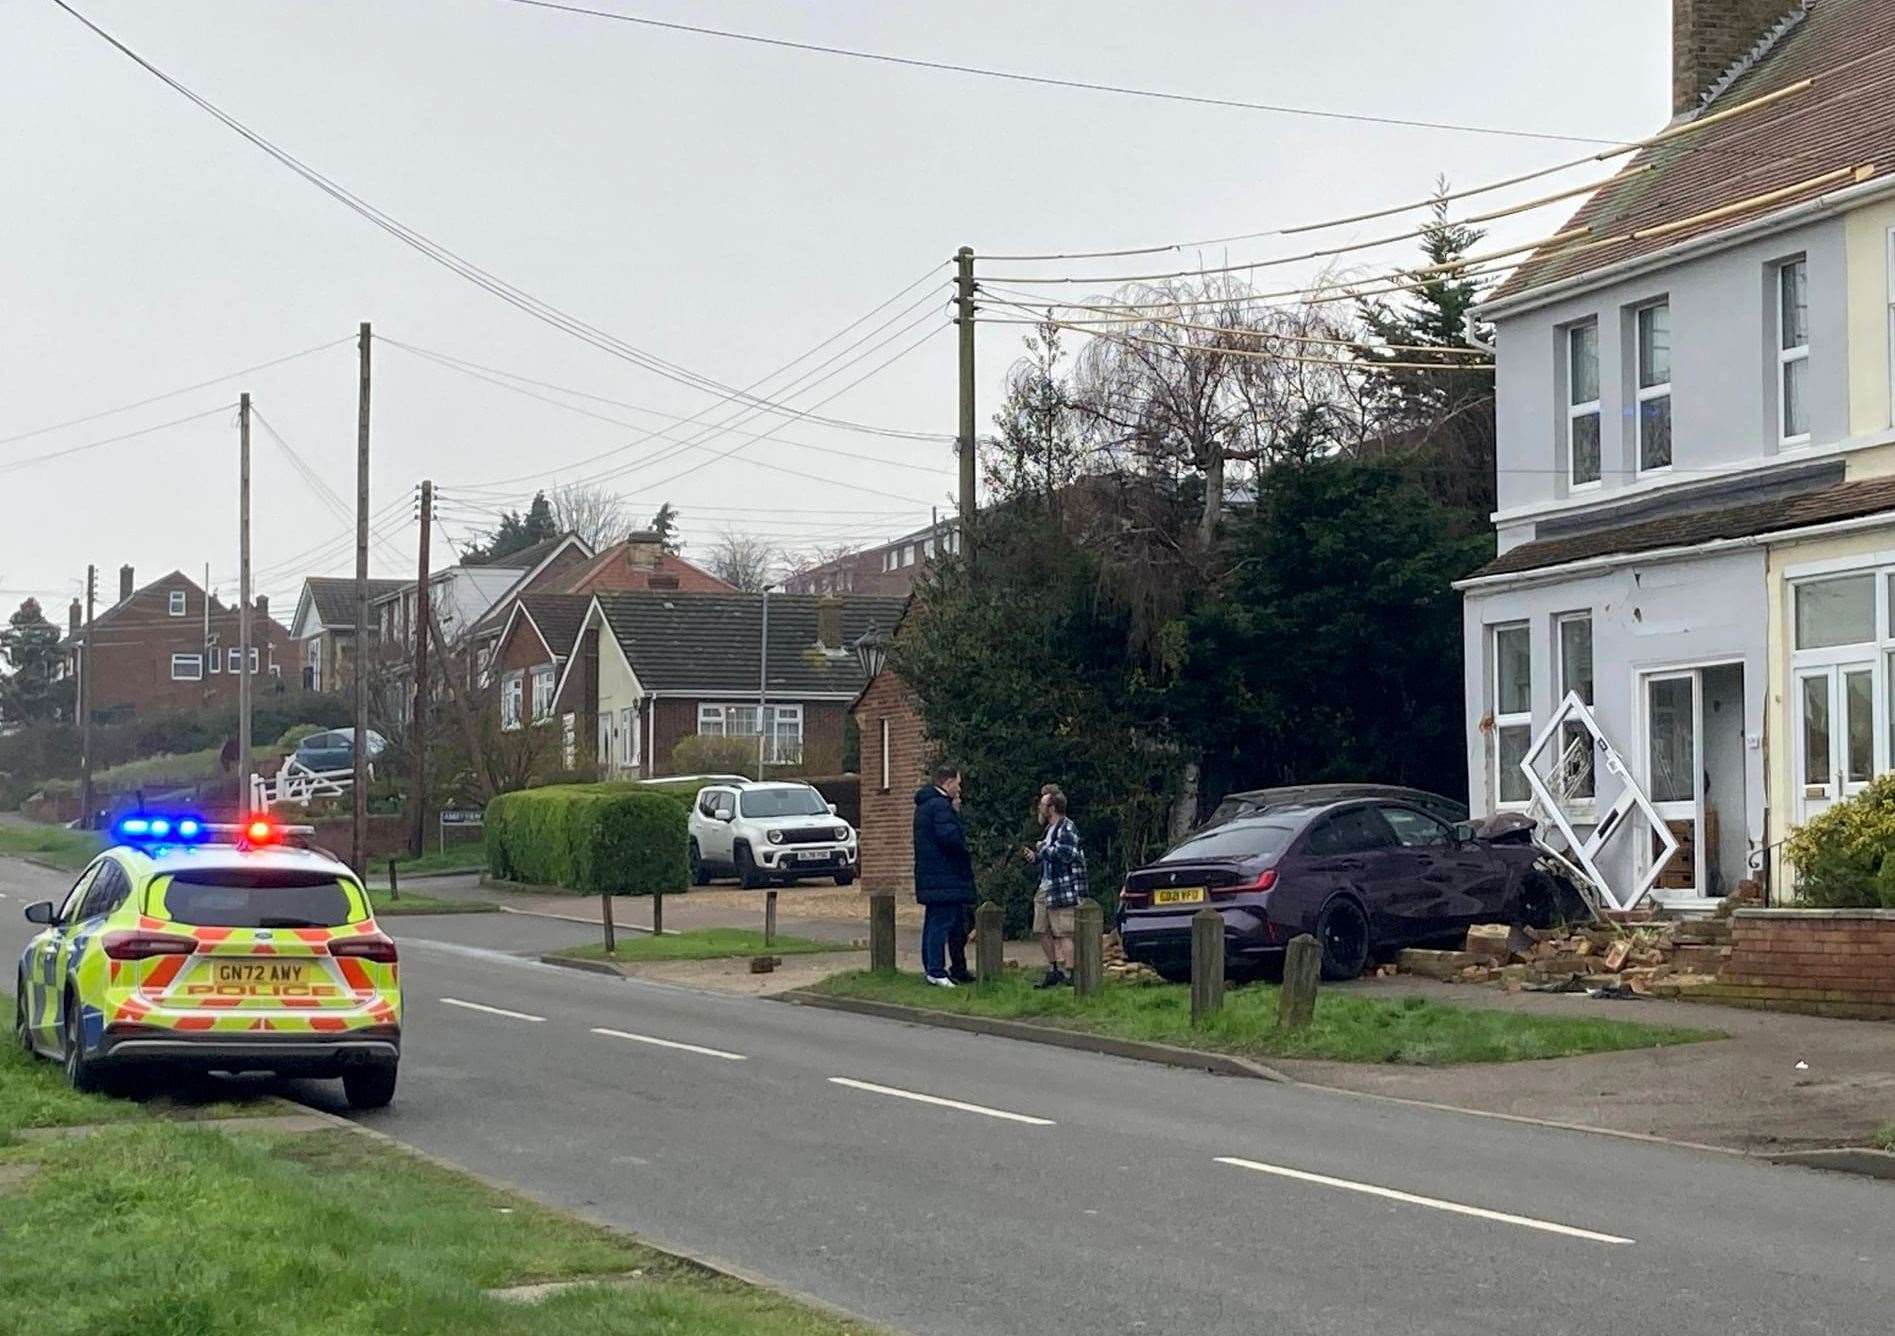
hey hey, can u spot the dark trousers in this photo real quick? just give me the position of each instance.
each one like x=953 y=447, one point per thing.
x=944 y=939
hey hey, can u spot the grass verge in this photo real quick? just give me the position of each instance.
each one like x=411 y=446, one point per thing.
x=1347 y=1028
x=410 y=903
x=468 y=857
x=1885 y=1137
x=216 y=1234
x=701 y=944
x=71 y=849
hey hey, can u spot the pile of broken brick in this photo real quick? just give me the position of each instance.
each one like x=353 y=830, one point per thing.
x=1637 y=956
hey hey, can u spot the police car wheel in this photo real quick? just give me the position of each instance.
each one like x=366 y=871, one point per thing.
x=81 y=1074
x=369 y=1087
x=22 y=1031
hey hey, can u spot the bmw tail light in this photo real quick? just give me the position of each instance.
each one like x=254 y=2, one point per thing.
x=1128 y=896
x=1263 y=882
x=144 y=945
x=376 y=947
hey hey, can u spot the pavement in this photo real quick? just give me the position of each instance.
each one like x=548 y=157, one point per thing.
x=943 y=1182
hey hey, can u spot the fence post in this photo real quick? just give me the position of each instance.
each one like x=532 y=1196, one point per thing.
x=989 y=946
x=769 y=918
x=1207 y=964
x=394 y=886
x=611 y=938
x=882 y=932
x=1302 y=969
x=1088 y=947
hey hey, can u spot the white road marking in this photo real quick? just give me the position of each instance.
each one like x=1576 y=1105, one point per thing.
x=1434 y=1203
x=493 y=1011
x=944 y=1103
x=670 y=1043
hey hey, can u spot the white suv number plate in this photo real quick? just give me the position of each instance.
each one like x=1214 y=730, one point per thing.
x=813 y=855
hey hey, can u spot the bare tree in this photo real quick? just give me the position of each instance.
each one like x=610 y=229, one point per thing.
x=596 y=515
x=799 y=561
x=742 y=561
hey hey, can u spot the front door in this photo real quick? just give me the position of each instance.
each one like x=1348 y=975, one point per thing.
x=1835 y=734
x=1674 y=776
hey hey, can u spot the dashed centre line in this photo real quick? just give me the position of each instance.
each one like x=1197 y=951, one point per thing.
x=1433 y=1203
x=920 y=1098
x=494 y=1011
x=670 y=1043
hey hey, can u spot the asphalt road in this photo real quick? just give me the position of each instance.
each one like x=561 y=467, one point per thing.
x=1081 y=1193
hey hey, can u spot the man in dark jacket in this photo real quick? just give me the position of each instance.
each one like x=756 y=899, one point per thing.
x=944 y=878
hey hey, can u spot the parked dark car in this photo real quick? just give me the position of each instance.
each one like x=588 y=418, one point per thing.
x=1361 y=876
x=1250 y=802
x=335 y=749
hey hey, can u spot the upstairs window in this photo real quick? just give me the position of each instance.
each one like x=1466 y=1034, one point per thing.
x=1654 y=387
x=177 y=603
x=1582 y=404
x=1793 y=352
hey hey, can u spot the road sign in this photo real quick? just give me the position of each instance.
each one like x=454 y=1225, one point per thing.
x=460 y=816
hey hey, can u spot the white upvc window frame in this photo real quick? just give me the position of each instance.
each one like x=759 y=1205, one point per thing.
x=544 y=679
x=1789 y=356
x=175 y=603
x=1644 y=394
x=213 y=659
x=713 y=720
x=1889 y=324
x=885 y=762
x=512 y=698
x=195 y=662
x=1566 y=686
x=1511 y=720
x=1577 y=409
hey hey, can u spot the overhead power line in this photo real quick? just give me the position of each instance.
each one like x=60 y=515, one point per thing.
x=1055 y=81
x=13 y=465
x=514 y=296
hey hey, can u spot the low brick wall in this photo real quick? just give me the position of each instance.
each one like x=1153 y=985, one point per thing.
x=1829 y=962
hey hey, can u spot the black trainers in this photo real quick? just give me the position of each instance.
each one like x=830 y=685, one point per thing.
x=1054 y=978
x=960 y=976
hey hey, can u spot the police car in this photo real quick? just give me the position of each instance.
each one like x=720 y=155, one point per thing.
x=190 y=946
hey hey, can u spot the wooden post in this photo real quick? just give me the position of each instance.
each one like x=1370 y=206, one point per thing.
x=989 y=943
x=769 y=918
x=358 y=637
x=394 y=886
x=418 y=721
x=657 y=913
x=882 y=932
x=1302 y=968
x=611 y=938
x=1207 y=964
x=1088 y=947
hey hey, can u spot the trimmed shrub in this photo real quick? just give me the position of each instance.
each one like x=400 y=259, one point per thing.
x=1842 y=855
x=295 y=733
x=601 y=838
x=702 y=754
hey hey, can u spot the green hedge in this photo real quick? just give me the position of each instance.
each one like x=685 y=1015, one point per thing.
x=589 y=837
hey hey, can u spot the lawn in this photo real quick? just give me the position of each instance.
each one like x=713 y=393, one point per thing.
x=168 y=1229
x=701 y=944
x=70 y=849
x=1885 y=1137
x=1347 y=1028
x=387 y=906
x=470 y=856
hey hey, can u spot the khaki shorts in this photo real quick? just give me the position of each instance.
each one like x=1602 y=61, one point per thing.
x=1046 y=919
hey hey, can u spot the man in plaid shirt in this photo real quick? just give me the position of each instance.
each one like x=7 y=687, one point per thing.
x=1062 y=864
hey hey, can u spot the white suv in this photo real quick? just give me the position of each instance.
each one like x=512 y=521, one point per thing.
x=761 y=832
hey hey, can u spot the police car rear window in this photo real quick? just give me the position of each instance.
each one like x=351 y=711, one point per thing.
x=256 y=898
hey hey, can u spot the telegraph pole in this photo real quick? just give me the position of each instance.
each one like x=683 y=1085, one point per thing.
x=85 y=703
x=418 y=722
x=243 y=602
x=964 y=304
x=358 y=848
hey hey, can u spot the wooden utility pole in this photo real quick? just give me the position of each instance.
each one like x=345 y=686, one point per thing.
x=85 y=703
x=964 y=304
x=418 y=721
x=243 y=602
x=358 y=848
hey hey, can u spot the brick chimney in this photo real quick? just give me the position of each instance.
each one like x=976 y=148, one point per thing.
x=124 y=583
x=1709 y=36
x=262 y=604
x=829 y=623
x=644 y=549
x=74 y=616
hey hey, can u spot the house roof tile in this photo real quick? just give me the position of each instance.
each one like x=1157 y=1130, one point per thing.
x=707 y=644
x=334 y=597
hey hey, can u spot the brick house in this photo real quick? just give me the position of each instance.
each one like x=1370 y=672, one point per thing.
x=324 y=629
x=530 y=654
x=651 y=668
x=896 y=755
x=639 y=562
x=167 y=647
x=889 y=568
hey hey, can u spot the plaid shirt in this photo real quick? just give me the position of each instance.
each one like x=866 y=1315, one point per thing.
x=1062 y=865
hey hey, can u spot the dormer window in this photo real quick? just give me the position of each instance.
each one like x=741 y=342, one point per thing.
x=1654 y=387
x=1793 y=352
x=1582 y=404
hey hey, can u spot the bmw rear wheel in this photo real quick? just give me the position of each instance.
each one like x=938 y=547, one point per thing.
x=1343 y=932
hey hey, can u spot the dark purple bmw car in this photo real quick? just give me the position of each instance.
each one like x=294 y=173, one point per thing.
x=1360 y=875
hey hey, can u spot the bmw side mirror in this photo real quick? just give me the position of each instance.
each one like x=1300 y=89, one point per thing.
x=41 y=911
x=1463 y=832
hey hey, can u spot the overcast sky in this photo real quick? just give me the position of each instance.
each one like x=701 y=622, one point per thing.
x=722 y=205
